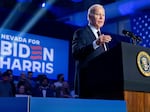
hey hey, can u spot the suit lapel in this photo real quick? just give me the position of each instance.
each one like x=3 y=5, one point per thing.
x=91 y=34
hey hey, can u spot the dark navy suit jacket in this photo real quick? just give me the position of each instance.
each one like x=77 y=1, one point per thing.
x=83 y=52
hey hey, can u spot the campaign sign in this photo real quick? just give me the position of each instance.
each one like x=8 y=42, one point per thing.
x=23 y=52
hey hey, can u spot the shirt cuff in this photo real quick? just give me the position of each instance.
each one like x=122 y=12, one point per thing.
x=95 y=46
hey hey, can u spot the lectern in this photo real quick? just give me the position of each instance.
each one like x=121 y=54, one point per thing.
x=115 y=75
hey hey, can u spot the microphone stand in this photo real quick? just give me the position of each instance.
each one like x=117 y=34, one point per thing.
x=134 y=40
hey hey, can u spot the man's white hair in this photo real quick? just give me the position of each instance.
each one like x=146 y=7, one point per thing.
x=91 y=9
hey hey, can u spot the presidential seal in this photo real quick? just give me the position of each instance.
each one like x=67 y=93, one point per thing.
x=143 y=62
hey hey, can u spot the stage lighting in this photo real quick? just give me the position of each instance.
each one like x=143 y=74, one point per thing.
x=43 y=4
x=36 y=17
x=12 y=17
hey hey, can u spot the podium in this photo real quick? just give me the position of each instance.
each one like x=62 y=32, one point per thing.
x=115 y=75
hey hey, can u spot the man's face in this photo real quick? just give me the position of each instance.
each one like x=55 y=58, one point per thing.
x=97 y=18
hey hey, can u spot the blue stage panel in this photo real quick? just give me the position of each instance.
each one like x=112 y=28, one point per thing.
x=76 y=105
x=14 y=104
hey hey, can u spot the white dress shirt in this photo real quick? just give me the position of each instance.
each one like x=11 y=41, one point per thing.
x=94 y=30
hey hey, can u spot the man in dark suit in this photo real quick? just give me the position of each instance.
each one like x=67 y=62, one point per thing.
x=88 y=43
